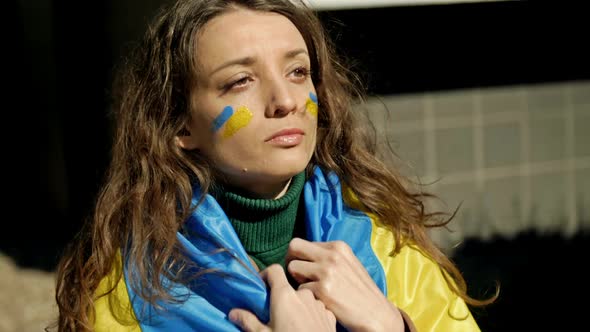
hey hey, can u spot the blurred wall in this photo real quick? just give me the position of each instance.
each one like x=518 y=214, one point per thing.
x=516 y=157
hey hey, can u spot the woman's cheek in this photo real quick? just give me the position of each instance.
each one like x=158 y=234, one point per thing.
x=230 y=121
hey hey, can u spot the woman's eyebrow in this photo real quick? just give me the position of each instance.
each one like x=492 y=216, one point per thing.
x=245 y=61
x=295 y=52
x=248 y=60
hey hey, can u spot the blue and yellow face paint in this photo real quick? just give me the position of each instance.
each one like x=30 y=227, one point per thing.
x=233 y=121
x=312 y=104
x=241 y=117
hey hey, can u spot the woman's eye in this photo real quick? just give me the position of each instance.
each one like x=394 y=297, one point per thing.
x=301 y=72
x=237 y=83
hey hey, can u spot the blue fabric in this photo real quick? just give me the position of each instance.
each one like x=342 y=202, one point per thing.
x=237 y=285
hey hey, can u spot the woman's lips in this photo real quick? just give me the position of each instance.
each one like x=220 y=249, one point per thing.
x=287 y=137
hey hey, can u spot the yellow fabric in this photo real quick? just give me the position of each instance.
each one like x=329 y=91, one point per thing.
x=416 y=284
x=113 y=311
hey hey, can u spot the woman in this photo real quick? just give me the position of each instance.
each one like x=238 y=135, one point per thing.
x=237 y=151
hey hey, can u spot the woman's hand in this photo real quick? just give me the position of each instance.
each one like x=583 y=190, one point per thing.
x=336 y=277
x=290 y=309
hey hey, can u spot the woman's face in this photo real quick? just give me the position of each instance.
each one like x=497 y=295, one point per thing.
x=254 y=107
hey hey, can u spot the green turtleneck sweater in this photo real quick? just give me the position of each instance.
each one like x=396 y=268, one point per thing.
x=266 y=226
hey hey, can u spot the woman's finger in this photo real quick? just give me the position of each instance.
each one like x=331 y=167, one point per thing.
x=254 y=264
x=320 y=290
x=338 y=249
x=304 y=250
x=275 y=277
x=322 y=308
x=335 y=254
x=304 y=271
x=246 y=320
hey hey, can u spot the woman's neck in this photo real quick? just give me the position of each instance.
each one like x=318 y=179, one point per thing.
x=262 y=191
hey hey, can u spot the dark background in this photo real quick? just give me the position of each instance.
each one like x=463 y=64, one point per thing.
x=59 y=56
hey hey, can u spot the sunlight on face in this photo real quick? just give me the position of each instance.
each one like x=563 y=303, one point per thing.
x=254 y=109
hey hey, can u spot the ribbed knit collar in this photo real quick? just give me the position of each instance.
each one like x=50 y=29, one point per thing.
x=263 y=225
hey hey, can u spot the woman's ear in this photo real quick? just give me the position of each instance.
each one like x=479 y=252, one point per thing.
x=186 y=141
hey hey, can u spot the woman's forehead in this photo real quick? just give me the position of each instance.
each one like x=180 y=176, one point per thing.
x=244 y=33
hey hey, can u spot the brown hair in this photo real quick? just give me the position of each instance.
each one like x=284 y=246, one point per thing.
x=148 y=188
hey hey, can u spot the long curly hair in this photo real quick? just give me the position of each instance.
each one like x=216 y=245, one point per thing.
x=147 y=192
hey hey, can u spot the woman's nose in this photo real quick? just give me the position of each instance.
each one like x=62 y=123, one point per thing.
x=282 y=98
